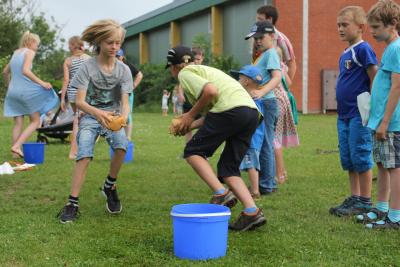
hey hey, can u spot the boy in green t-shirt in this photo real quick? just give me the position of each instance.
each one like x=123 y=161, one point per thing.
x=230 y=116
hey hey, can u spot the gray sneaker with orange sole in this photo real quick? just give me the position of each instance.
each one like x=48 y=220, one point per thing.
x=227 y=199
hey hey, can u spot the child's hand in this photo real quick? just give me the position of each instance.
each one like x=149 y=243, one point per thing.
x=256 y=94
x=381 y=132
x=181 y=125
x=46 y=85
x=116 y=122
x=186 y=123
x=173 y=127
x=104 y=117
x=62 y=104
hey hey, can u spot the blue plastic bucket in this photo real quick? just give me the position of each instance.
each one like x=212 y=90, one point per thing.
x=129 y=152
x=200 y=231
x=33 y=152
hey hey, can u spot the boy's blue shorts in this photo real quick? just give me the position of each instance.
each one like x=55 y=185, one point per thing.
x=90 y=129
x=355 y=145
x=251 y=160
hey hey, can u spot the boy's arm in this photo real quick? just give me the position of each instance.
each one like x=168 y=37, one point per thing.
x=125 y=109
x=371 y=71
x=266 y=88
x=101 y=115
x=138 y=79
x=391 y=105
x=208 y=93
x=26 y=70
x=291 y=64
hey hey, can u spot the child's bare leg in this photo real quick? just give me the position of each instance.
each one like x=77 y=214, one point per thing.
x=74 y=146
x=203 y=168
x=17 y=129
x=354 y=183
x=116 y=162
x=280 y=165
x=253 y=177
x=383 y=183
x=33 y=125
x=395 y=188
x=240 y=190
x=365 y=183
x=79 y=176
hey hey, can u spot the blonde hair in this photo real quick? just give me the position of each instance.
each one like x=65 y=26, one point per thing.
x=101 y=30
x=76 y=41
x=357 y=12
x=385 y=11
x=28 y=38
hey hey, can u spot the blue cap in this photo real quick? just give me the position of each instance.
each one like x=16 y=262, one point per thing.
x=120 y=53
x=250 y=71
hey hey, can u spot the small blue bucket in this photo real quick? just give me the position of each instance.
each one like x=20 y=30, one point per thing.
x=129 y=152
x=200 y=231
x=33 y=152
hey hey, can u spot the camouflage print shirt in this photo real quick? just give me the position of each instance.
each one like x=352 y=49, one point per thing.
x=104 y=90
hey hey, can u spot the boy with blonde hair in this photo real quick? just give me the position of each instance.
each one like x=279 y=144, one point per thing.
x=103 y=85
x=357 y=66
x=383 y=19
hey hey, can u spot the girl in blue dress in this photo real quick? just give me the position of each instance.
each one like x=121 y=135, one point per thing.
x=27 y=94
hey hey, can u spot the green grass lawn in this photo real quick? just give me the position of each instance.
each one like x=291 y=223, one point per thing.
x=299 y=231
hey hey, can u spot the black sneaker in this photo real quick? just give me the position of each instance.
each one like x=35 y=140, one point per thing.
x=348 y=202
x=268 y=191
x=365 y=219
x=385 y=224
x=227 y=199
x=248 y=222
x=69 y=213
x=356 y=209
x=113 y=205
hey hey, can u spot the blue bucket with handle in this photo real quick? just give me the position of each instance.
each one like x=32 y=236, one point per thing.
x=200 y=230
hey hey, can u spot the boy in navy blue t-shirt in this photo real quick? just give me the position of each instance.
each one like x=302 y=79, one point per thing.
x=357 y=67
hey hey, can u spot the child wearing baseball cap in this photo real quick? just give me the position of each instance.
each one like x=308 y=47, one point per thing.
x=250 y=78
x=230 y=116
x=270 y=66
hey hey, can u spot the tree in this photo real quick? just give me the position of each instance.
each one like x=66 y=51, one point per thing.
x=18 y=16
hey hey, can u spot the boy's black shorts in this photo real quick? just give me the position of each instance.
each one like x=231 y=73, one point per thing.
x=235 y=127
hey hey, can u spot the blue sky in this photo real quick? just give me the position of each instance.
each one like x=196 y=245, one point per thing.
x=75 y=15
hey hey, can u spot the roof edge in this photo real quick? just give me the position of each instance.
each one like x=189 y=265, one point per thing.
x=166 y=14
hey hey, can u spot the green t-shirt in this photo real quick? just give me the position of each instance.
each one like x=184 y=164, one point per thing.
x=231 y=94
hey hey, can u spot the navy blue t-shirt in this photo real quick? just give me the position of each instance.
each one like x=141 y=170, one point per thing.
x=353 y=78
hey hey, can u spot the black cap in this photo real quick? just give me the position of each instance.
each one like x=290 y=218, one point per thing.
x=179 y=54
x=260 y=28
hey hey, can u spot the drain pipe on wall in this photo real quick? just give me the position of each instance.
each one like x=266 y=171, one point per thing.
x=305 y=58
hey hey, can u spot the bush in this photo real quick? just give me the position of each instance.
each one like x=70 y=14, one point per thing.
x=3 y=89
x=155 y=79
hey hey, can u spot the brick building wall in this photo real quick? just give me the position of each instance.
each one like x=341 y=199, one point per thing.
x=324 y=46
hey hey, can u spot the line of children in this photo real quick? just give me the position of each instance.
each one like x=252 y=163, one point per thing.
x=357 y=70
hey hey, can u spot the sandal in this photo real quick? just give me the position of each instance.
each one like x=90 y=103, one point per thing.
x=17 y=154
